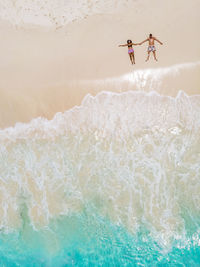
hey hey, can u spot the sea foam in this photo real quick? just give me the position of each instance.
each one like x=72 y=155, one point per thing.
x=133 y=156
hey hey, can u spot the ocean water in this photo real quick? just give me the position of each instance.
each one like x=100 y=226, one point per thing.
x=112 y=182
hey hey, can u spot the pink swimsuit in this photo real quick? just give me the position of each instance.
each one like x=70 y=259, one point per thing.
x=130 y=50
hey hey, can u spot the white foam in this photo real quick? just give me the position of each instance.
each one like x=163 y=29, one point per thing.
x=135 y=110
x=134 y=156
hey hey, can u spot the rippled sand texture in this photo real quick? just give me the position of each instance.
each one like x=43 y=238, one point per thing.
x=50 y=68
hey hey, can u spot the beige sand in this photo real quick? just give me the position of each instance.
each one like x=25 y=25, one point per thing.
x=45 y=71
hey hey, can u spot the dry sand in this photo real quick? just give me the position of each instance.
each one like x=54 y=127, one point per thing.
x=44 y=71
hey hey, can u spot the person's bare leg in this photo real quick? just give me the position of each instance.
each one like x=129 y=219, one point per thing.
x=148 y=56
x=130 y=55
x=133 y=58
x=154 y=54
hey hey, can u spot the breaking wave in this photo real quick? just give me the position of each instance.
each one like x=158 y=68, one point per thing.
x=107 y=181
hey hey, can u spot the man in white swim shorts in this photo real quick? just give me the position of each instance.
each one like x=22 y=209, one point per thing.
x=151 y=47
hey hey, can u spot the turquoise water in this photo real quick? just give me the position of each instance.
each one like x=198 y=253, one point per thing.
x=88 y=239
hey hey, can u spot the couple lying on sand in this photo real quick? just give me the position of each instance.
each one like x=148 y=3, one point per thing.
x=151 y=48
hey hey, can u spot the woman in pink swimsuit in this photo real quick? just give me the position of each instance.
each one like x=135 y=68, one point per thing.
x=130 y=50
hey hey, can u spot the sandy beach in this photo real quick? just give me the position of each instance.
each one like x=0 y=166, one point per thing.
x=44 y=70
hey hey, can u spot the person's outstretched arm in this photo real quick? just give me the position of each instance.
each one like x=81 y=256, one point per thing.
x=144 y=41
x=123 y=45
x=158 y=41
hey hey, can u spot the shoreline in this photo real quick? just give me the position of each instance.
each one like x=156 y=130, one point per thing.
x=21 y=105
x=44 y=71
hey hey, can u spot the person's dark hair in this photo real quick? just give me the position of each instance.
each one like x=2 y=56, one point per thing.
x=150 y=35
x=129 y=41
